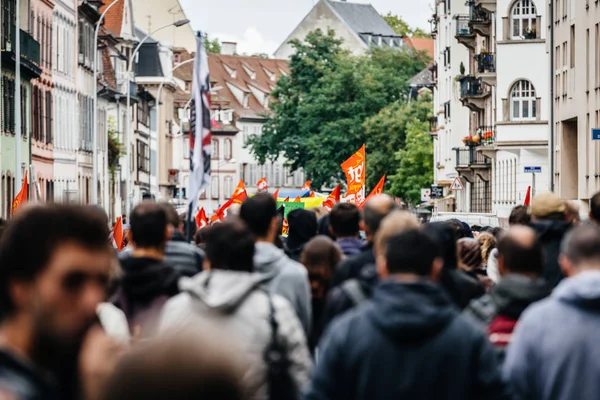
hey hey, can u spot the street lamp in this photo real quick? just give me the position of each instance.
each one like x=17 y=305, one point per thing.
x=177 y=24
x=95 y=135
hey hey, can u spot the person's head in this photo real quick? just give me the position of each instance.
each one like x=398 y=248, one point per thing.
x=187 y=366
x=302 y=226
x=572 y=212
x=580 y=250
x=52 y=290
x=229 y=246
x=444 y=234
x=395 y=223
x=259 y=212
x=233 y=211
x=547 y=207
x=519 y=252
x=173 y=218
x=374 y=211
x=469 y=254
x=461 y=229
x=323 y=227
x=200 y=237
x=319 y=211
x=320 y=256
x=150 y=229
x=519 y=216
x=595 y=208
x=410 y=255
x=344 y=220
x=487 y=243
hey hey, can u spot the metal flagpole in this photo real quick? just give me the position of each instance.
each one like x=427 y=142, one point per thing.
x=18 y=137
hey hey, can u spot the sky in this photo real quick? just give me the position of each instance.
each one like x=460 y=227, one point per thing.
x=260 y=26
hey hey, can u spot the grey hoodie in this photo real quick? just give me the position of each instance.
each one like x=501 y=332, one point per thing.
x=555 y=352
x=234 y=304
x=287 y=278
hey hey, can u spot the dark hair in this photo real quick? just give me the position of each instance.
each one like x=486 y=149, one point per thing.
x=257 y=212
x=521 y=258
x=230 y=246
x=461 y=229
x=582 y=244
x=200 y=236
x=44 y=227
x=2 y=226
x=519 y=216
x=595 y=207
x=373 y=216
x=148 y=225
x=412 y=251
x=345 y=220
x=444 y=235
x=171 y=213
x=323 y=227
x=320 y=257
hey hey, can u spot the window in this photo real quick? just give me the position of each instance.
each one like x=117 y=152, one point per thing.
x=228 y=149
x=523 y=101
x=523 y=20
x=143 y=157
x=215 y=149
x=214 y=187
x=228 y=186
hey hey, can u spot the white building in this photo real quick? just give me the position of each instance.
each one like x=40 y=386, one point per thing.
x=65 y=101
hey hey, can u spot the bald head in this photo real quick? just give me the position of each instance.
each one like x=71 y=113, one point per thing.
x=520 y=252
x=375 y=210
x=581 y=246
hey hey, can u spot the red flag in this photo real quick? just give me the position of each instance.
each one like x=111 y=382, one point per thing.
x=527 y=201
x=237 y=199
x=286 y=199
x=286 y=227
x=201 y=220
x=21 y=197
x=306 y=186
x=276 y=195
x=312 y=193
x=241 y=187
x=377 y=190
x=333 y=198
x=355 y=170
x=262 y=185
x=297 y=200
x=118 y=234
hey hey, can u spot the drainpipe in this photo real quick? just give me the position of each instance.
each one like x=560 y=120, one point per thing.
x=551 y=17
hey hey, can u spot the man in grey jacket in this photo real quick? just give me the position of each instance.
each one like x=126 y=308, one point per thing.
x=554 y=353
x=283 y=276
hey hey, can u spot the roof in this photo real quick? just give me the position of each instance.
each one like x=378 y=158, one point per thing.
x=361 y=18
x=222 y=81
x=186 y=71
x=108 y=72
x=423 y=78
x=148 y=63
x=113 y=21
x=421 y=44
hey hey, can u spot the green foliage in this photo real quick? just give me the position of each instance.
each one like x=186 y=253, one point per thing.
x=213 y=46
x=317 y=120
x=116 y=150
x=402 y=28
x=415 y=170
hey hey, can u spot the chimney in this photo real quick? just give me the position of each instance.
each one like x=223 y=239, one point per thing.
x=229 y=48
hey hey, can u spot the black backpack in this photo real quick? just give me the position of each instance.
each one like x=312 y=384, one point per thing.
x=280 y=381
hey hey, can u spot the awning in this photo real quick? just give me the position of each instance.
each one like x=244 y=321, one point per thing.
x=435 y=201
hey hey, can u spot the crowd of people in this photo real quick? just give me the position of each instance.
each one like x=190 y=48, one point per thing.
x=351 y=304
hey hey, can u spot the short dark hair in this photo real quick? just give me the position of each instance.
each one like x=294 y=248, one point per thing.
x=519 y=216
x=412 y=251
x=595 y=207
x=230 y=246
x=257 y=212
x=345 y=220
x=582 y=244
x=45 y=227
x=521 y=258
x=373 y=216
x=171 y=213
x=148 y=225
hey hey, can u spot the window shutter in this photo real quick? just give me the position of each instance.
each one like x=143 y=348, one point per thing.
x=12 y=105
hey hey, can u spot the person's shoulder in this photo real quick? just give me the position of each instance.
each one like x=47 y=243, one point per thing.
x=542 y=312
x=293 y=268
x=481 y=310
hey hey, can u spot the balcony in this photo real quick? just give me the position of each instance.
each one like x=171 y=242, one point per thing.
x=30 y=52
x=487 y=5
x=470 y=162
x=480 y=21
x=433 y=125
x=464 y=32
x=473 y=93
x=486 y=68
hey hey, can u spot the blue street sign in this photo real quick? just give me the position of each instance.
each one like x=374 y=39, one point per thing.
x=595 y=133
x=533 y=170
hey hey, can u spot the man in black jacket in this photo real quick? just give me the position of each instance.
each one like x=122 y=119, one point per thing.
x=408 y=341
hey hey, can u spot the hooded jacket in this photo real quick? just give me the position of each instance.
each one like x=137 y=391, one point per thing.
x=351 y=246
x=237 y=306
x=351 y=267
x=554 y=353
x=408 y=342
x=285 y=277
x=550 y=234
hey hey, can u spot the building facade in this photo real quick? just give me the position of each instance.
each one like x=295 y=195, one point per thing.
x=154 y=14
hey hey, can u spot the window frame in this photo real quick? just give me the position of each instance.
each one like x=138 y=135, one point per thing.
x=526 y=95
x=525 y=20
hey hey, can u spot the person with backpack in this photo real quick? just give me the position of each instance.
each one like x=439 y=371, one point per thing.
x=147 y=282
x=228 y=297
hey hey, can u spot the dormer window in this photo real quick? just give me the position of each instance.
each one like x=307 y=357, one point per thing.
x=282 y=71
x=246 y=100
x=249 y=71
x=232 y=72
x=266 y=104
x=270 y=74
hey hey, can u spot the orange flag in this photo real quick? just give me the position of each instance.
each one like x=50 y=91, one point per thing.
x=21 y=197
x=201 y=220
x=312 y=193
x=297 y=200
x=306 y=186
x=377 y=190
x=286 y=227
x=286 y=199
x=241 y=187
x=333 y=198
x=355 y=170
x=262 y=185
x=118 y=234
x=236 y=199
x=276 y=195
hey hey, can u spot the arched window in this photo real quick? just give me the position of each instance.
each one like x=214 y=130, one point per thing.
x=523 y=20
x=215 y=149
x=228 y=149
x=523 y=101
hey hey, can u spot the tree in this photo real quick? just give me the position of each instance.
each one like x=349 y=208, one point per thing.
x=317 y=122
x=213 y=46
x=402 y=28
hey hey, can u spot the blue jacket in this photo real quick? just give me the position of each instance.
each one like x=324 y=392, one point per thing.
x=554 y=353
x=408 y=342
